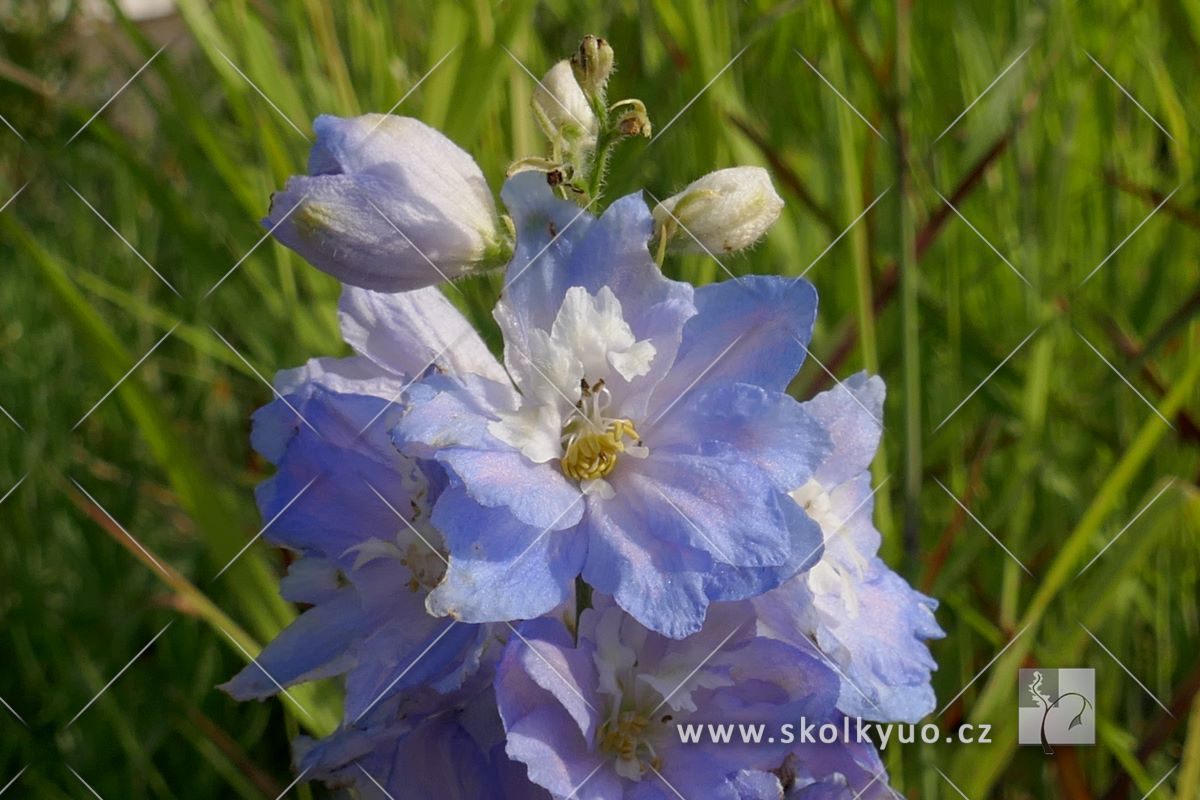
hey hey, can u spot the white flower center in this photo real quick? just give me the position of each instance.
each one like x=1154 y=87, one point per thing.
x=640 y=706
x=841 y=564
x=571 y=382
x=412 y=544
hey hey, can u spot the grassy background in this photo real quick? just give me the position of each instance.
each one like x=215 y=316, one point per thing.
x=1055 y=454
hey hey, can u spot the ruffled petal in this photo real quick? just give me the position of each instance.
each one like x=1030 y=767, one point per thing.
x=754 y=329
x=500 y=568
x=408 y=332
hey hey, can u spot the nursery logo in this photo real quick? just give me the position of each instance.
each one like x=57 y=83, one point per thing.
x=1056 y=706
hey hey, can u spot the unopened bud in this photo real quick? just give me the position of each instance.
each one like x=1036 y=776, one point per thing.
x=562 y=108
x=635 y=123
x=592 y=64
x=724 y=211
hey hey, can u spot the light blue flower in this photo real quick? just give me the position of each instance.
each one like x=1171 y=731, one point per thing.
x=389 y=204
x=357 y=512
x=648 y=442
x=422 y=746
x=839 y=770
x=864 y=616
x=598 y=718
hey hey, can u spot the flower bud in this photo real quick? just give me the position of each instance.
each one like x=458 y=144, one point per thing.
x=389 y=204
x=723 y=211
x=563 y=109
x=592 y=64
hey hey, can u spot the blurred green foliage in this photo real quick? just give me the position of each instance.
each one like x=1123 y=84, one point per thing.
x=1055 y=452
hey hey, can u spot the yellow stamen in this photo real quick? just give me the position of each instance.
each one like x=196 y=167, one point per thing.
x=592 y=454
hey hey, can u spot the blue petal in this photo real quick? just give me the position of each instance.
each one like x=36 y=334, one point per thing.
x=541 y=732
x=658 y=584
x=725 y=582
x=769 y=429
x=718 y=504
x=751 y=330
x=500 y=568
x=409 y=332
x=411 y=649
x=349 y=226
x=448 y=421
x=610 y=251
x=314 y=646
x=889 y=660
x=852 y=413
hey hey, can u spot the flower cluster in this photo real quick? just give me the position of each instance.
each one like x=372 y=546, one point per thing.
x=528 y=570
